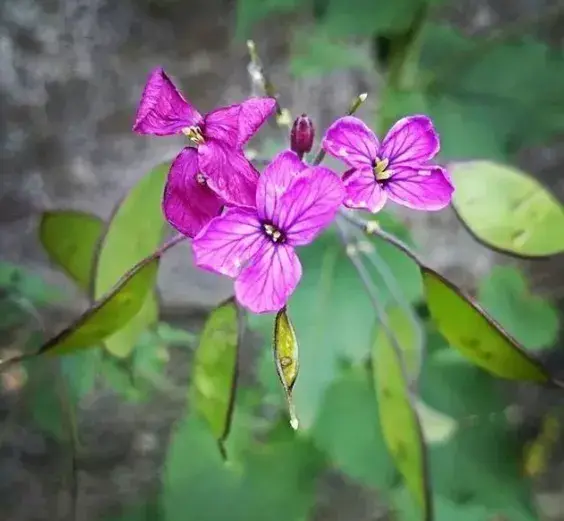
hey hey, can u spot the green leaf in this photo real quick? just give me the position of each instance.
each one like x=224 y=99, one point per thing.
x=481 y=463
x=123 y=341
x=249 y=12
x=530 y=319
x=469 y=129
x=80 y=370
x=507 y=209
x=470 y=330
x=403 y=326
x=510 y=91
x=316 y=52
x=70 y=239
x=215 y=368
x=400 y=423
x=197 y=485
x=368 y=18
x=286 y=358
x=347 y=429
x=445 y=510
x=107 y=315
x=135 y=231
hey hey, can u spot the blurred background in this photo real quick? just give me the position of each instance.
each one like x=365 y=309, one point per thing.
x=71 y=74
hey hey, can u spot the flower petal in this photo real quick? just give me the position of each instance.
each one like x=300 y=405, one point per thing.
x=188 y=205
x=351 y=141
x=163 y=110
x=223 y=125
x=363 y=191
x=269 y=279
x=420 y=189
x=275 y=180
x=229 y=173
x=254 y=112
x=229 y=241
x=309 y=205
x=410 y=140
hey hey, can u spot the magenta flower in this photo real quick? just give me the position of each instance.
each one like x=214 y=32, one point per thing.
x=217 y=136
x=397 y=169
x=294 y=203
x=188 y=202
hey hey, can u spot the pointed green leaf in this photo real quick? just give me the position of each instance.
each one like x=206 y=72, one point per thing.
x=215 y=368
x=70 y=239
x=107 y=315
x=529 y=318
x=286 y=358
x=400 y=424
x=507 y=209
x=135 y=231
x=478 y=337
x=404 y=328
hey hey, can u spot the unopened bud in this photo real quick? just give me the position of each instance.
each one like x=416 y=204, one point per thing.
x=302 y=134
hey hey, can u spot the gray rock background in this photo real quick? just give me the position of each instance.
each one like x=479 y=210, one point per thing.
x=71 y=72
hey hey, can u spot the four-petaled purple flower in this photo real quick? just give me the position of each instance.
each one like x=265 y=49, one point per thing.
x=247 y=226
x=294 y=203
x=397 y=169
x=218 y=137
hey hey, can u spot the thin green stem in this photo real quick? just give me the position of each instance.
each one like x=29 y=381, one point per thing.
x=364 y=275
x=391 y=283
x=373 y=228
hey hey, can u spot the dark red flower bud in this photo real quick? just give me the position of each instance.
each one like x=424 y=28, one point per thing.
x=302 y=134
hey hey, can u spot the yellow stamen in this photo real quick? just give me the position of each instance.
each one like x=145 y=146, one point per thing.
x=271 y=231
x=194 y=134
x=380 y=172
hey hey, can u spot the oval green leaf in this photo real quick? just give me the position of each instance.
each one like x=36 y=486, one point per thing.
x=70 y=239
x=400 y=424
x=507 y=209
x=468 y=328
x=107 y=315
x=135 y=231
x=286 y=358
x=215 y=368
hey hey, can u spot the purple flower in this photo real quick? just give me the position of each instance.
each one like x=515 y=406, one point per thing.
x=217 y=136
x=294 y=203
x=397 y=169
x=188 y=202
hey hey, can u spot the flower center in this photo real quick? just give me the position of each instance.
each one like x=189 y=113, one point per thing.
x=194 y=134
x=200 y=179
x=379 y=169
x=273 y=233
